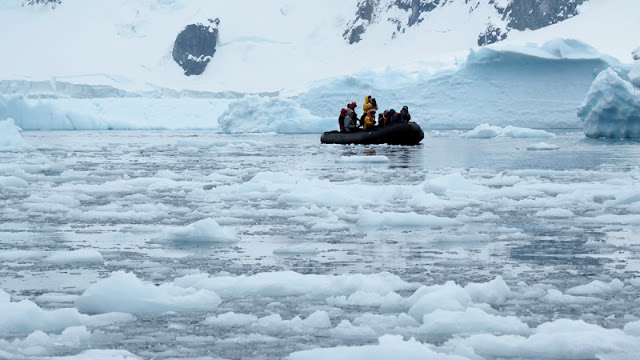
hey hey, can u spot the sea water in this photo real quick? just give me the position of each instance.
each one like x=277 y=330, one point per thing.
x=558 y=227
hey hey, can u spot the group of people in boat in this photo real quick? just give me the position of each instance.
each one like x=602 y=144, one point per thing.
x=350 y=122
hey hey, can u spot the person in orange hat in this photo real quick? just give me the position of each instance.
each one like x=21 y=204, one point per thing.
x=353 y=106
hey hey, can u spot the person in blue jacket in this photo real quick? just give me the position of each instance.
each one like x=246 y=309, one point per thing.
x=405 y=117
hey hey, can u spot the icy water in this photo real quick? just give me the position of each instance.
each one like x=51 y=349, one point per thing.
x=559 y=227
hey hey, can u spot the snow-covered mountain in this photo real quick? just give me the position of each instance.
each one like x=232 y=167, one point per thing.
x=258 y=46
x=113 y=64
x=492 y=19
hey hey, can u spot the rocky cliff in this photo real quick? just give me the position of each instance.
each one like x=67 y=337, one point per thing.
x=195 y=46
x=511 y=14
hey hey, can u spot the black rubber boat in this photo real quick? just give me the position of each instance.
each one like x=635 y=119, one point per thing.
x=398 y=134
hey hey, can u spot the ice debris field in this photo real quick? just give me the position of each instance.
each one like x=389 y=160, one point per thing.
x=168 y=245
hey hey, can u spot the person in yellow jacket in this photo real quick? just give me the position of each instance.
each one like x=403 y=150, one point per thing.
x=370 y=120
x=369 y=103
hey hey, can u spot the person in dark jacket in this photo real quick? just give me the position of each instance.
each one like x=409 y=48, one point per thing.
x=405 y=117
x=395 y=117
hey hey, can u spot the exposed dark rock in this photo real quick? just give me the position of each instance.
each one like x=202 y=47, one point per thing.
x=518 y=14
x=536 y=14
x=354 y=35
x=491 y=35
x=364 y=16
x=417 y=7
x=53 y=3
x=195 y=45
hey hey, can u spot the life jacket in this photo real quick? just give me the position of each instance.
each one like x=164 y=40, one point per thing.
x=369 y=121
x=343 y=114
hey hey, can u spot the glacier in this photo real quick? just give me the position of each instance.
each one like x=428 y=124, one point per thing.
x=532 y=87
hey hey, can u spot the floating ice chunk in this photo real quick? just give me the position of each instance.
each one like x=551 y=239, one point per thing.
x=628 y=196
x=557 y=297
x=98 y=354
x=346 y=330
x=597 y=287
x=289 y=283
x=636 y=53
x=611 y=108
x=231 y=319
x=370 y=219
x=632 y=328
x=363 y=298
x=124 y=292
x=561 y=339
x=388 y=347
x=39 y=343
x=543 y=146
x=374 y=159
x=203 y=231
x=12 y=182
x=318 y=320
x=519 y=132
x=24 y=317
x=331 y=223
x=454 y=184
x=470 y=321
x=555 y=213
x=483 y=131
x=449 y=296
x=274 y=323
x=635 y=282
x=486 y=131
x=494 y=292
x=452 y=297
x=82 y=256
x=10 y=134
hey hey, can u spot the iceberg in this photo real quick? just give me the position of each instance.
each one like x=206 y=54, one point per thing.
x=533 y=86
x=10 y=134
x=258 y=114
x=611 y=108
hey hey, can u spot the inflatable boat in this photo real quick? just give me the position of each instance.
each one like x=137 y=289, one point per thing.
x=398 y=134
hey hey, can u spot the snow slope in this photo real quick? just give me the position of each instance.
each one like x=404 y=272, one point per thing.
x=279 y=44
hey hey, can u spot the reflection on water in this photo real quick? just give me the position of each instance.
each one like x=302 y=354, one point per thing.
x=450 y=150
